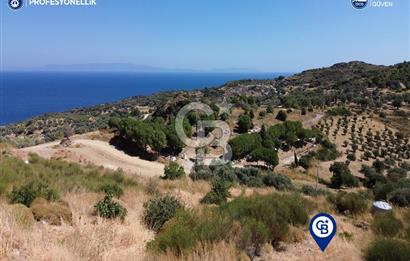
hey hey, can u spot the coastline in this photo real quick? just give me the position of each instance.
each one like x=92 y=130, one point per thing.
x=32 y=95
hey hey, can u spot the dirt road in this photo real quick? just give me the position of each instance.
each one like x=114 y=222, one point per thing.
x=97 y=152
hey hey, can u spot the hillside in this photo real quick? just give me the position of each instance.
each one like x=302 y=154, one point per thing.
x=115 y=181
x=348 y=82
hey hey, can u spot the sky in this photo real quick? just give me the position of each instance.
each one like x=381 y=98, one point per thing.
x=247 y=35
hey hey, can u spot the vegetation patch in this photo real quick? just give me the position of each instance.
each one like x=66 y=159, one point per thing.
x=261 y=219
x=108 y=208
x=159 y=210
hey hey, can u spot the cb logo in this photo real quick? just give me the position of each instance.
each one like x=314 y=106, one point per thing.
x=15 y=4
x=359 y=4
x=201 y=139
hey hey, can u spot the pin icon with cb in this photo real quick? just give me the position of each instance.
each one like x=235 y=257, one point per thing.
x=322 y=227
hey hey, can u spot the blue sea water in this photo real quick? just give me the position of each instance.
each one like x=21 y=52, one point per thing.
x=27 y=94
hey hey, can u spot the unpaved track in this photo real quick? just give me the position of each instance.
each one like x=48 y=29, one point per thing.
x=99 y=153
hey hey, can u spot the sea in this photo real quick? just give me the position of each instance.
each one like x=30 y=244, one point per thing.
x=27 y=94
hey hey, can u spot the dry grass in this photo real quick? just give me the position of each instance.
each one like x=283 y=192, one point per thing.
x=188 y=191
x=221 y=251
x=340 y=248
x=89 y=238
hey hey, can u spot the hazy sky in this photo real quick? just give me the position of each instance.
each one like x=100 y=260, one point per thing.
x=257 y=35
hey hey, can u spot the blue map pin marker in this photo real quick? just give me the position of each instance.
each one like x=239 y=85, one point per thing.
x=322 y=227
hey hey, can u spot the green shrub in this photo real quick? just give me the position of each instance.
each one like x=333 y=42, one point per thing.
x=279 y=181
x=349 y=203
x=372 y=177
x=282 y=116
x=107 y=208
x=173 y=171
x=400 y=197
x=351 y=157
x=386 y=224
x=275 y=211
x=27 y=193
x=388 y=249
x=253 y=235
x=201 y=172
x=244 y=123
x=305 y=161
x=247 y=221
x=219 y=192
x=213 y=225
x=395 y=174
x=225 y=172
x=251 y=177
x=382 y=191
x=114 y=190
x=177 y=236
x=328 y=151
x=342 y=176
x=159 y=210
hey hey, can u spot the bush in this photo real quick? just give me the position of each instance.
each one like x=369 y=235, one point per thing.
x=382 y=190
x=372 y=177
x=388 y=249
x=173 y=171
x=27 y=193
x=224 y=172
x=244 y=123
x=351 y=157
x=247 y=221
x=275 y=211
x=177 y=236
x=395 y=174
x=305 y=161
x=386 y=225
x=328 y=151
x=253 y=235
x=400 y=197
x=201 y=172
x=160 y=210
x=112 y=189
x=251 y=177
x=279 y=181
x=218 y=194
x=349 y=203
x=107 y=208
x=342 y=176
x=282 y=116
